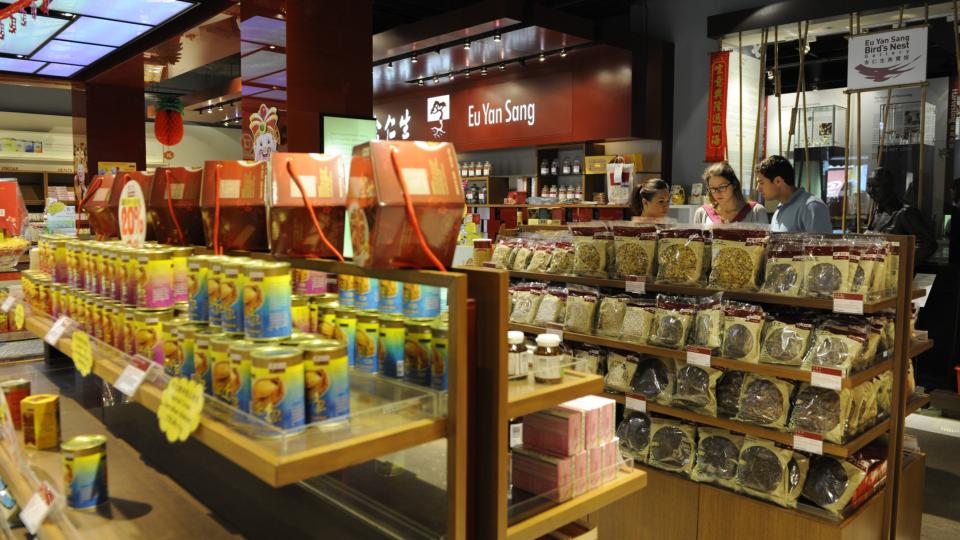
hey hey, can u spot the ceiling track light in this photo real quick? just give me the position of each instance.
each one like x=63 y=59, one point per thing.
x=542 y=57
x=483 y=70
x=413 y=59
x=220 y=108
x=436 y=79
x=498 y=37
x=450 y=76
x=389 y=65
x=419 y=82
x=503 y=66
x=466 y=73
x=563 y=53
x=467 y=45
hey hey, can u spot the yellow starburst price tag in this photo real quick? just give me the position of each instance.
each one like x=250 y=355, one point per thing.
x=18 y=316
x=82 y=354
x=180 y=407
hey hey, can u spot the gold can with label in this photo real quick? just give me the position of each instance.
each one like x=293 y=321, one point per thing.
x=327 y=379
x=345 y=331
x=439 y=356
x=129 y=329
x=111 y=325
x=300 y=313
x=186 y=333
x=417 y=351
x=203 y=355
x=40 y=418
x=240 y=360
x=316 y=304
x=172 y=353
x=277 y=387
x=368 y=333
x=85 y=471
x=95 y=314
x=223 y=381
x=232 y=280
x=148 y=327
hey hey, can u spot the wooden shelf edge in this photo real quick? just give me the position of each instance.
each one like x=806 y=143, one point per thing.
x=772 y=370
x=557 y=205
x=627 y=482
x=915 y=403
x=276 y=470
x=544 y=396
x=919 y=347
x=21 y=491
x=782 y=437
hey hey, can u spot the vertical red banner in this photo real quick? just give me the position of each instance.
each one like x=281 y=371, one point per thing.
x=717 y=107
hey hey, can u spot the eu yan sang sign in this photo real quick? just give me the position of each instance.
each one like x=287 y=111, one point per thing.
x=889 y=58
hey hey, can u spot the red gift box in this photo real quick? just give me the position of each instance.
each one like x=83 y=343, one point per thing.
x=292 y=230
x=242 y=222
x=174 y=209
x=102 y=201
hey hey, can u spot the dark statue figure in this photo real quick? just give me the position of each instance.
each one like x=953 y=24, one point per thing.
x=892 y=216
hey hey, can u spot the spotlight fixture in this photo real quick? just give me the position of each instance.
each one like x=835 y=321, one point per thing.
x=419 y=82
x=220 y=107
x=503 y=66
x=210 y=110
x=389 y=65
x=483 y=70
x=543 y=57
x=226 y=123
x=272 y=47
x=770 y=74
x=413 y=59
x=467 y=45
x=563 y=53
x=436 y=79
x=19 y=56
x=450 y=76
x=497 y=37
x=466 y=73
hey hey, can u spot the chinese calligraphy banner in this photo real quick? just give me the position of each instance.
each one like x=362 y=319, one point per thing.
x=889 y=58
x=717 y=107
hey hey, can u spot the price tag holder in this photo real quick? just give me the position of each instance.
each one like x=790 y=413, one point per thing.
x=555 y=329
x=489 y=264
x=698 y=356
x=8 y=303
x=808 y=442
x=53 y=335
x=636 y=284
x=180 y=407
x=133 y=375
x=825 y=377
x=848 y=303
x=132 y=214
x=19 y=316
x=82 y=353
x=516 y=435
x=636 y=402
x=38 y=508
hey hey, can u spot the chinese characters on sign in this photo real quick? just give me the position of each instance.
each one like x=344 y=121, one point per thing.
x=717 y=107
x=388 y=130
x=894 y=57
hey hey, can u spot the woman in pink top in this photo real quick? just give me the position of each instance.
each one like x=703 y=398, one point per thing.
x=728 y=205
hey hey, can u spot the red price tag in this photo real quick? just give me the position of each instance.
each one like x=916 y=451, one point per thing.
x=698 y=356
x=808 y=442
x=635 y=402
x=848 y=303
x=132 y=215
x=825 y=377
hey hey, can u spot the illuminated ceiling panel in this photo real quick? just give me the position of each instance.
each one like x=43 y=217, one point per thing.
x=19 y=66
x=275 y=95
x=102 y=31
x=31 y=36
x=59 y=70
x=277 y=79
x=68 y=52
x=152 y=12
x=262 y=63
x=246 y=47
x=264 y=30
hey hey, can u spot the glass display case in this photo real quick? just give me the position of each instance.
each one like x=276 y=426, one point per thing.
x=903 y=123
x=826 y=126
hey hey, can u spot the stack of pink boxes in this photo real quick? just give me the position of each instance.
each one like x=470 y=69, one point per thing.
x=568 y=449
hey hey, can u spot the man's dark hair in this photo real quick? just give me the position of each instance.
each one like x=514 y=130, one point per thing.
x=774 y=166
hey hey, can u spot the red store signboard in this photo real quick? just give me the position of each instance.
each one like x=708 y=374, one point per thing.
x=717 y=107
x=568 y=102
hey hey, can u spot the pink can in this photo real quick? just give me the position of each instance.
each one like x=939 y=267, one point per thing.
x=154 y=278
x=309 y=281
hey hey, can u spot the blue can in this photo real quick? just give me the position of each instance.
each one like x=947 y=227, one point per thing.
x=267 y=300
x=85 y=463
x=367 y=336
x=420 y=301
x=346 y=293
x=417 y=352
x=366 y=293
x=391 y=297
x=439 y=358
x=327 y=379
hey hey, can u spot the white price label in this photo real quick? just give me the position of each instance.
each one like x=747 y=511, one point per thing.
x=698 y=356
x=8 y=303
x=38 y=508
x=636 y=284
x=555 y=329
x=824 y=377
x=516 y=435
x=848 y=303
x=636 y=402
x=56 y=331
x=133 y=375
x=808 y=442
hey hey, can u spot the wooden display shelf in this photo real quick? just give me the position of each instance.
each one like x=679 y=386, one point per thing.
x=917 y=402
x=57 y=526
x=770 y=370
x=627 y=482
x=557 y=205
x=754 y=297
x=919 y=347
x=264 y=458
x=22 y=335
x=525 y=397
x=782 y=437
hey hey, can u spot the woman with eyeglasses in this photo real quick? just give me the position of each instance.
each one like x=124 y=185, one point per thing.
x=650 y=200
x=727 y=203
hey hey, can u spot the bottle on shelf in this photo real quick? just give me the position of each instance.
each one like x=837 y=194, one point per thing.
x=470 y=195
x=579 y=194
x=517 y=359
x=477 y=168
x=577 y=167
x=555 y=167
x=486 y=168
x=463 y=169
x=544 y=167
x=482 y=195
x=566 y=166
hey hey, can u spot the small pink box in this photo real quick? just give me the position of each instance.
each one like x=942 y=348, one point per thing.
x=594 y=466
x=610 y=459
x=543 y=475
x=580 y=473
x=590 y=418
x=606 y=415
x=555 y=431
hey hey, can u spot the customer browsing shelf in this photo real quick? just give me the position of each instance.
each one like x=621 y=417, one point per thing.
x=798 y=211
x=650 y=200
x=727 y=203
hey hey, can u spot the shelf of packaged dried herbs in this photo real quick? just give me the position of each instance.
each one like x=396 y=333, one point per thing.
x=895 y=363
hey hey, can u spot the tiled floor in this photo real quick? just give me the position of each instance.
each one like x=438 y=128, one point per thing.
x=940 y=439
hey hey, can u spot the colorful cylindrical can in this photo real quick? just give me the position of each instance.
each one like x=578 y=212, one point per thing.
x=60 y=269
x=232 y=282
x=40 y=417
x=148 y=327
x=223 y=381
x=277 y=386
x=129 y=329
x=95 y=316
x=309 y=281
x=72 y=263
x=346 y=291
x=198 y=268
x=214 y=274
x=85 y=471
x=184 y=361
x=109 y=316
x=327 y=318
x=108 y=279
x=327 y=379
x=240 y=359
x=15 y=390
x=345 y=332
x=203 y=356
x=300 y=313
x=96 y=258
x=417 y=346
x=366 y=293
x=179 y=258
x=170 y=334
x=368 y=336
x=439 y=363
x=128 y=259
x=390 y=346
x=55 y=300
x=266 y=300
x=155 y=278
x=420 y=301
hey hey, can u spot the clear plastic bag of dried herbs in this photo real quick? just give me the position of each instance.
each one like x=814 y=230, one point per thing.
x=737 y=256
x=682 y=256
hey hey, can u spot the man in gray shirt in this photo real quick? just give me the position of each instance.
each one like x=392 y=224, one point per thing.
x=799 y=211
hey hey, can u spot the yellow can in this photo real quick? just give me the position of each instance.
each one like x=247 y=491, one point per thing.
x=95 y=316
x=214 y=275
x=85 y=471
x=232 y=280
x=223 y=381
x=277 y=386
x=40 y=417
x=203 y=355
x=300 y=313
x=181 y=289
x=128 y=260
x=148 y=327
x=237 y=393
x=327 y=379
x=109 y=316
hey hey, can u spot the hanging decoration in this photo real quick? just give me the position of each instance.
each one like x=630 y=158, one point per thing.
x=266 y=134
x=717 y=107
x=20 y=6
x=168 y=125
